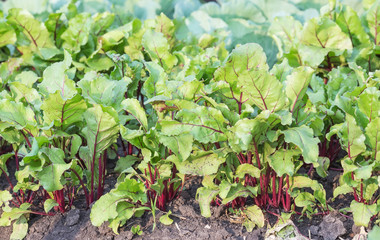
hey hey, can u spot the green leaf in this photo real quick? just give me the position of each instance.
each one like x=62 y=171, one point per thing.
x=303 y=138
x=5 y=197
x=102 y=129
x=17 y=114
x=105 y=209
x=350 y=23
x=77 y=33
x=369 y=103
x=98 y=89
x=374 y=233
x=362 y=213
x=323 y=166
x=50 y=176
x=11 y=214
x=206 y=124
x=255 y=214
x=282 y=161
x=342 y=189
x=124 y=164
x=230 y=191
x=63 y=112
x=304 y=199
x=55 y=79
x=165 y=219
x=246 y=68
x=136 y=230
x=133 y=107
x=204 y=197
x=296 y=85
x=181 y=145
x=352 y=137
x=320 y=36
x=373 y=19
x=34 y=30
x=199 y=163
x=157 y=46
x=26 y=94
x=372 y=133
x=7 y=34
x=49 y=204
x=249 y=169
x=20 y=228
x=240 y=135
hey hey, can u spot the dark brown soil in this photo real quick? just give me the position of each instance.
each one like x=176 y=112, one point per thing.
x=188 y=223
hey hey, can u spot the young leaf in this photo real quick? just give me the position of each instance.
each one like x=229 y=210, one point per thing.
x=165 y=219
x=49 y=204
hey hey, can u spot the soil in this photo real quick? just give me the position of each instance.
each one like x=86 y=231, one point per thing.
x=188 y=222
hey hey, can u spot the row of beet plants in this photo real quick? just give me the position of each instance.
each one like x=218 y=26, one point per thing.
x=78 y=90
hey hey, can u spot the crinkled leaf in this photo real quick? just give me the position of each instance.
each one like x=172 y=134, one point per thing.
x=352 y=137
x=369 y=103
x=14 y=213
x=320 y=36
x=105 y=209
x=240 y=135
x=249 y=169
